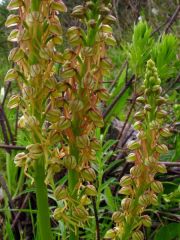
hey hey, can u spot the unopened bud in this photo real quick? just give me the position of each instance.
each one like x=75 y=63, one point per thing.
x=13 y=101
x=161 y=168
x=90 y=190
x=133 y=145
x=161 y=114
x=131 y=157
x=157 y=186
x=58 y=6
x=70 y=162
x=60 y=193
x=117 y=217
x=82 y=141
x=11 y=75
x=139 y=115
x=137 y=235
x=126 y=204
x=127 y=190
x=80 y=212
x=14 y=4
x=16 y=54
x=110 y=41
x=125 y=181
x=12 y=20
x=140 y=99
x=146 y=221
x=165 y=132
x=162 y=148
x=88 y=174
x=20 y=159
x=110 y=234
x=13 y=36
x=144 y=200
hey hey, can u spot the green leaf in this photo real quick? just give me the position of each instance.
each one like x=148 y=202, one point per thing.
x=168 y=232
x=109 y=199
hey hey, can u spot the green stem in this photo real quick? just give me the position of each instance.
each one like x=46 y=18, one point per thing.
x=42 y=201
x=72 y=182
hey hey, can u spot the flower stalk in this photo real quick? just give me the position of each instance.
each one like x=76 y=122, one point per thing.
x=84 y=67
x=140 y=187
x=37 y=32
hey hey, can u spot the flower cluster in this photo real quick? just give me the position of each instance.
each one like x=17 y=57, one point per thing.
x=84 y=67
x=37 y=32
x=140 y=187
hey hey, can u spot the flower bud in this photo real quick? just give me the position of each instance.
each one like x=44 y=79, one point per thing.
x=88 y=174
x=164 y=132
x=58 y=6
x=131 y=157
x=157 y=89
x=126 y=204
x=58 y=213
x=125 y=181
x=70 y=162
x=76 y=105
x=58 y=40
x=137 y=235
x=146 y=221
x=20 y=159
x=110 y=41
x=13 y=101
x=60 y=193
x=161 y=168
x=13 y=36
x=55 y=29
x=16 y=54
x=12 y=20
x=157 y=186
x=148 y=107
x=78 y=11
x=137 y=125
x=136 y=171
x=160 y=100
x=161 y=114
x=94 y=115
x=82 y=141
x=58 y=58
x=85 y=200
x=109 y=19
x=133 y=145
x=14 y=4
x=106 y=28
x=117 y=217
x=95 y=144
x=104 y=10
x=162 y=148
x=140 y=99
x=90 y=190
x=144 y=200
x=11 y=75
x=139 y=115
x=62 y=124
x=154 y=200
x=68 y=73
x=127 y=190
x=35 y=150
x=80 y=212
x=35 y=70
x=22 y=122
x=110 y=234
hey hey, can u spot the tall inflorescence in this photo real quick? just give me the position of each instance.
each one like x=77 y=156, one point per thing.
x=85 y=64
x=140 y=187
x=37 y=32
